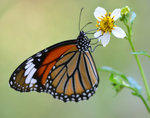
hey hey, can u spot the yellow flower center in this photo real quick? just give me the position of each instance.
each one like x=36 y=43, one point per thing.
x=106 y=24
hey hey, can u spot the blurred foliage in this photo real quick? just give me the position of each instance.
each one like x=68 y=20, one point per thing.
x=141 y=53
x=120 y=81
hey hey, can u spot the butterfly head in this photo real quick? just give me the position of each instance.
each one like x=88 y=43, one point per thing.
x=83 y=42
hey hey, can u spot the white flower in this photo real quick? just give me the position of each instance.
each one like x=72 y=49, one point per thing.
x=105 y=25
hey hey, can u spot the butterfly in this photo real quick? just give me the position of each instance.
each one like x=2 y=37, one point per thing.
x=65 y=70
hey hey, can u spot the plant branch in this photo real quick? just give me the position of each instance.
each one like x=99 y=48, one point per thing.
x=145 y=103
x=138 y=63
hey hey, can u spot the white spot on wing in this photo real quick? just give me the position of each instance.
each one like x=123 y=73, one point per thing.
x=47 y=85
x=72 y=99
x=79 y=99
x=49 y=77
x=67 y=99
x=53 y=67
x=39 y=54
x=29 y=77
x=89 y=95
x=31 y=86
x=29 y=61
x=27 y=66
x=45 y=50
x=33 y=81
x=11 y=82
x=28 y=70
x=35 y=89
x=77 y=96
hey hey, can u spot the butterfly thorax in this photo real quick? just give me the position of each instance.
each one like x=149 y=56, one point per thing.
x=83 y=42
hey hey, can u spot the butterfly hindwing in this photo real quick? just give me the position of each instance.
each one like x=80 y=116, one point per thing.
x=74 y=77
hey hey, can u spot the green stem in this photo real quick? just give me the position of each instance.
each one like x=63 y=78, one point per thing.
x=139 y=64
x=142 y=98
x=145 y=103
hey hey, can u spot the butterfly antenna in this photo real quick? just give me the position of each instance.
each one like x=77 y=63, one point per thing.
x=88 y=32
x=80 y=18
x=80 y=21
x=96 y=47
x=85 y=25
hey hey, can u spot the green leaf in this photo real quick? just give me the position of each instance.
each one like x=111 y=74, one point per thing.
x=133 y=16
x=141 y=53
x=120 y=81
x=111 y=70
x=116 y=82
x=134 y=85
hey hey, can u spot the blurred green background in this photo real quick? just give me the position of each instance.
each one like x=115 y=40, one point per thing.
x=28 y=26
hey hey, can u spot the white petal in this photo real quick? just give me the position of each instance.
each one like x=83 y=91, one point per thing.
x=105 y=39
x=116 y=14
x=98 y=34
x=118 y=32
x=99 y=12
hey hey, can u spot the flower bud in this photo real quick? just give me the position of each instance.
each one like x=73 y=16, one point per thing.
x=125 y=10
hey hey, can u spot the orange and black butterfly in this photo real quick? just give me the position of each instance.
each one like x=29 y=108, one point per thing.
x=65 y=70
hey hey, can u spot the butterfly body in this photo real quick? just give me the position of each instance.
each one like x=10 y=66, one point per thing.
x=83 y=43
x=65 y=70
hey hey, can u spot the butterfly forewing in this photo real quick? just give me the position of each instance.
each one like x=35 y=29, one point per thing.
x=31 y=75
